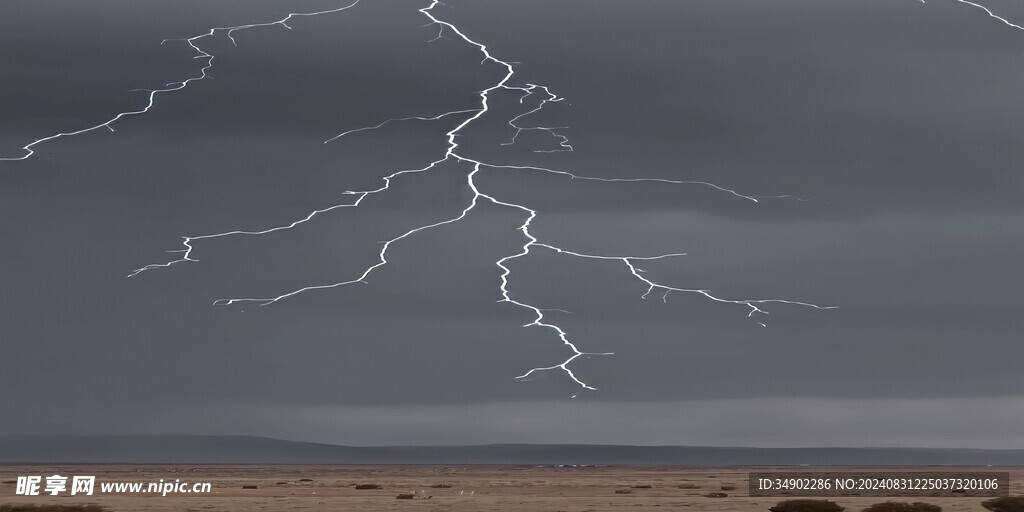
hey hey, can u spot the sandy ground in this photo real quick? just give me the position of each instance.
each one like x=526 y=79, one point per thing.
x=473 y=488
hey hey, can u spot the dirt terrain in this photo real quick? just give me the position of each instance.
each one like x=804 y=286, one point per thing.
x=437 y=488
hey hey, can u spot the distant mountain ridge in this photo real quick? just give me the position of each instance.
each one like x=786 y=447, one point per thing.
x=260 y=450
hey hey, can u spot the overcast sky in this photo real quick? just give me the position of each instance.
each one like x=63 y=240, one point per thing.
x=895 y=126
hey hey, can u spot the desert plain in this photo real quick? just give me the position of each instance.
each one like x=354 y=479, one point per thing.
x=475 y=488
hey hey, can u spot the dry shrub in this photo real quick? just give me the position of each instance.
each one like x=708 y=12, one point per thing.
x=807 y=506
x=1009 y=504
x=894 y=506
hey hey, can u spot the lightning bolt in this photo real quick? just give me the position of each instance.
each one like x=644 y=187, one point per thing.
x=151 y=95
x=474 y=167
x=990 y=14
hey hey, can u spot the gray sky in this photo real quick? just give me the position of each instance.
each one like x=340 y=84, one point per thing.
x=895 y=123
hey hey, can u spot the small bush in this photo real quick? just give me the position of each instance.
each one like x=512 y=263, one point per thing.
x=51 y=508
x=1010 y=504
x=807 y=506
x=894 y=506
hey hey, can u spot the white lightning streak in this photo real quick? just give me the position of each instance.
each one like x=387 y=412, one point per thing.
x=990 y=13
x=417 y=118
x=179 y=85
x=538 y=320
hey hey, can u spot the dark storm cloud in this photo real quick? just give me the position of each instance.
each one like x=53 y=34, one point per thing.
x=896 y=122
